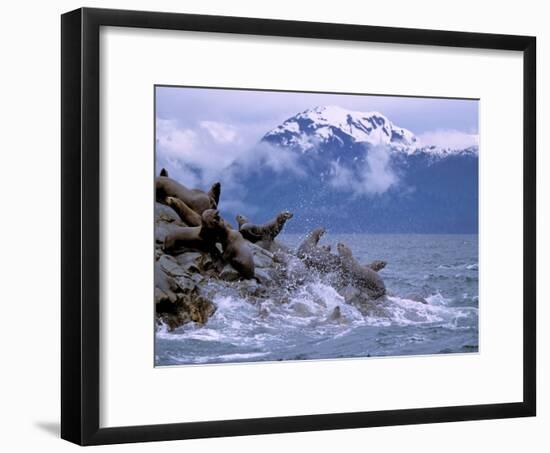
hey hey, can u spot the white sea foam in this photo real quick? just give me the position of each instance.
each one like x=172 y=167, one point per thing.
x=257 y=329
x=241 y=356
x=470 y=267
x=404 y=312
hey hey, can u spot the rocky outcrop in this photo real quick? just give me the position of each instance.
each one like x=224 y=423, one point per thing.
x=188 y=280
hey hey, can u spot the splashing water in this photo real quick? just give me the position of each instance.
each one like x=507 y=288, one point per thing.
x=432 y=307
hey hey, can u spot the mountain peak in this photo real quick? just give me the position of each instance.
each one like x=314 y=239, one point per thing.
x=331 y=123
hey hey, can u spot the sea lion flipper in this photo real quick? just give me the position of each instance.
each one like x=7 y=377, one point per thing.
x=186 y=214
x=215 y=192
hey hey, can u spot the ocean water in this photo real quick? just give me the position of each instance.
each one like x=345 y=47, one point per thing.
x=440 y=270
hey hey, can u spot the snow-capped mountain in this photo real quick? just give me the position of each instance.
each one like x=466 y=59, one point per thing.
x=359 y=172
x=335 y=126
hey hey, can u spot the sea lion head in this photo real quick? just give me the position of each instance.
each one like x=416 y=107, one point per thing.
x=343 y=250
x=378 y=265
x=284 y=216
x=241 y=219
x=317 y=234
x=211 y=218
x=325 y=248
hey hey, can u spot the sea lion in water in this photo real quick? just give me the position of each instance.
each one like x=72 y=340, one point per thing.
x=203 y=237
x=360 y=276
x=266 y=232
x=198 y=200
x=190 y=217
x=236 y=250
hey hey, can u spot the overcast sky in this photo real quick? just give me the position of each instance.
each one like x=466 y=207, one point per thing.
x=188 y=106
x=200 y=132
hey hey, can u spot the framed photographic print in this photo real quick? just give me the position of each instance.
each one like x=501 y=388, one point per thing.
x=264 y=220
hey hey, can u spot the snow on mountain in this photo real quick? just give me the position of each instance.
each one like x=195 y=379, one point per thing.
x=333 y=125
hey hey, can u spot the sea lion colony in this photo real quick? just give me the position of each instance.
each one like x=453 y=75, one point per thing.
x=195 y=242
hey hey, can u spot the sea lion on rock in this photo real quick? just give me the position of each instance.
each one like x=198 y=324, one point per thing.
x=263 y=233
x=236 y=250
x=190 y=217
x=241 y=220
x=360 y=276
x=310 y=242
x=198 y=200
x=203 y=237
x=317 y=257
x=377 y=265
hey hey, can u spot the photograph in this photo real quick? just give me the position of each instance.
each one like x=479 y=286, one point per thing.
x=297 y=225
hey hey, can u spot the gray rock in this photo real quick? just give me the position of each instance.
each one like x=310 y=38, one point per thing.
x=186 y=283
x=229 y=274
x=264 y=276
x=189 y=261
x=262 y=257
x=166 y=213
x=169 y=265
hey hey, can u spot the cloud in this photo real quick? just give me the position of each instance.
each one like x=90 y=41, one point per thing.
x=373 y=176
x=173 y=141
x=208 y=148
x=449 y=138
x=213 y=148
x=213 y=151
x=220 y=132
x=235 y=206
x=278 y=159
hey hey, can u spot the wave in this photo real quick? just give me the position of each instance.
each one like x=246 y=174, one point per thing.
x=310 y=311
x=407 y=312
x=307 y=322
x=470 y=267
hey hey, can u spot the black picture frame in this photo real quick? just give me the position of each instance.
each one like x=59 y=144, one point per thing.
x=80 y=263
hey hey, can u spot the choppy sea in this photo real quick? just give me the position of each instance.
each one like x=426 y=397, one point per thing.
x=439 y=270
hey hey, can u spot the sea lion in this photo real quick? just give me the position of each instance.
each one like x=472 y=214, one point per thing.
x=190 y=217
x=325 y=248
x=358 y=275
x=376 y=265
x=198 y=200
x=266 y=232
x=336 y=314
x=236 y=250
x=317 y=257
x=241 y=220
x=310 y=242
x=203 y=237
